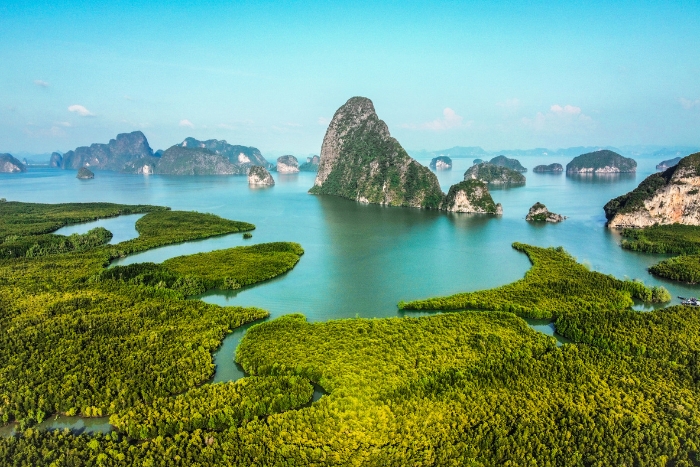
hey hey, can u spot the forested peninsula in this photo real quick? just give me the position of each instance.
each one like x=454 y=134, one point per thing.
x=474 y=387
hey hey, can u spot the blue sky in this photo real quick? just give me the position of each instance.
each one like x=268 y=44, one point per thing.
x=271 y=74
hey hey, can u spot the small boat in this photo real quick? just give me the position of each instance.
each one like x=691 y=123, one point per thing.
x=692 y=301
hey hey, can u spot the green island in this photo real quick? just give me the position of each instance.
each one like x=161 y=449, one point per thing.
x=556 y=284
x=81 y=339
x=680 y=239
x=476 y=387
x=672 y=238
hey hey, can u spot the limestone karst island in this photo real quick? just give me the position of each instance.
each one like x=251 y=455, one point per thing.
x=350 y=234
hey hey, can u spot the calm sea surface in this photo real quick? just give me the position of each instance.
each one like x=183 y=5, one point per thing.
x=361 y=260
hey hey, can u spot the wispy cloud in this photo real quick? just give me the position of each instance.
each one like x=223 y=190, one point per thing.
x=41 y=83
x=186 y=123
x=80 y=110
x=560 y=119
x=509 y=104
x=323 y=121
x=63 y=124
x=689 y=103
x=450 y=120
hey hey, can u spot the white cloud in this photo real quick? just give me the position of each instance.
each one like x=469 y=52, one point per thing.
x=449 y=120
x=80 y=110
x=566 y=110
x=323 y=121
x=560 y=119
x=510 y=104
x=186 y=123
x=689 y=103
x=41 y=83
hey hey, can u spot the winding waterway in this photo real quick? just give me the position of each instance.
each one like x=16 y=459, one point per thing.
x=359 y=260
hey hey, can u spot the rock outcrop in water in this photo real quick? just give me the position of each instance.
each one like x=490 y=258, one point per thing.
x=10 y=164
x=554 y=168
x=56 y=160
x=470 y=196
x=210 y=157
x=287 y=165
x=85 y=174
x=539 y=212
x=361 y=161
x=259 y=176
x=441 y=163
x=494 y=174
x=512 y=164
x=126 y=153
x=663 y=165
x=311 y=164
x=669 y=197
x=601 y=162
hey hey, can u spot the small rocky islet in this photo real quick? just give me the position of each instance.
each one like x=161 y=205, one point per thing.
x=259 y=176
x=441 y=163
x=551 y=168
x=539 y=213
x=287 y=165
x=85 y=174
x=10 y=164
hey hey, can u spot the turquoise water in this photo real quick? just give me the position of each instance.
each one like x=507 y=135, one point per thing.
x=361 y=260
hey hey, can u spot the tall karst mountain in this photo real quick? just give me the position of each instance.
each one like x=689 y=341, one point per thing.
x=129 y=152
x=361 y=161
x=669 y=197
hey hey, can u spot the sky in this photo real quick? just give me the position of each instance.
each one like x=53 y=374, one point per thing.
x=501 y=75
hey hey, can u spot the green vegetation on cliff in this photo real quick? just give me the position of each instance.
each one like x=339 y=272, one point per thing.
x=361 y=161
x=512 y=164
x=555 y=284
x=603 y=161
x=634 y=200
x=470 y=196
x=494 y=174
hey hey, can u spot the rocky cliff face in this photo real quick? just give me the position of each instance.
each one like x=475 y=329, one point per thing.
x=10 y=164
x=539 y=212
x=361 y=161
x=56 y=160
x=441 y=163
x=124 y=154
x=494 y=174
x=672 y=196
x=259 y=176
x=549 y=168
x=470 y=196
x=601 y=162
x=287 y=165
